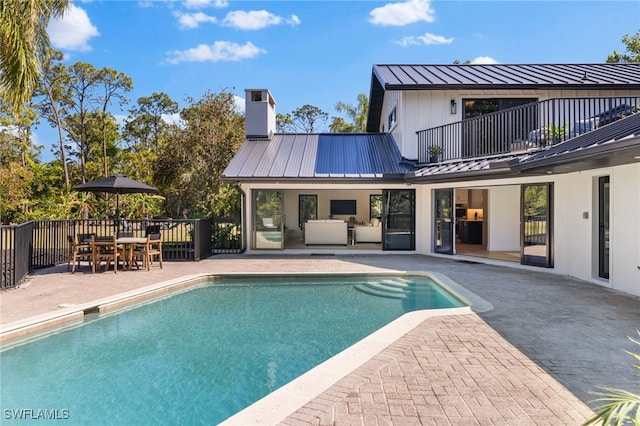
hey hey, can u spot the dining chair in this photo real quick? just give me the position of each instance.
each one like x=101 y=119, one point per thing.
x=78 y=250
x=106 y=250
x=149 y=249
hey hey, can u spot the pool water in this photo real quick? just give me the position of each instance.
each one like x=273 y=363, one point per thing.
x=201 y=356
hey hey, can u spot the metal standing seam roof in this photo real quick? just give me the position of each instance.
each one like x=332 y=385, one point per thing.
x=615 y=135
x=604 y=76
x=318 y=156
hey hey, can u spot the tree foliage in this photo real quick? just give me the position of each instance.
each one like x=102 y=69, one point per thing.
x=356 y=113
x=190 y=165
x=23 y=36
x=632 y=52
x=305 y=119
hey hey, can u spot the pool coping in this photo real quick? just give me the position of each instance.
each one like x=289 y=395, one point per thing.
x=279 y=404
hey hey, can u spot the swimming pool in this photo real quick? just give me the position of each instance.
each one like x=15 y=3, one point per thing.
x=203 y=355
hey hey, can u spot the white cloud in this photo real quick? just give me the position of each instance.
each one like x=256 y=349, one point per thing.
x=193 y=20
x=484 y=60
x=240 y=103
x=218 y=51
x=199 y=4
x=256 y=20
x=402 y=13
x=425 y=39
x=73 y=31
x=173 y=119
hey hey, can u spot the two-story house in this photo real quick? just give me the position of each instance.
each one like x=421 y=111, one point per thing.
x=535 y=164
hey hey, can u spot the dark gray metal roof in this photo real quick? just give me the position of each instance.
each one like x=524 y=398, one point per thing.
x=497 y=76
x=318 y=157
x=614 y=144
x=471 y=168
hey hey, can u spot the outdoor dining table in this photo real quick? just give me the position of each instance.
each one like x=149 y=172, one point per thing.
x=128 y=244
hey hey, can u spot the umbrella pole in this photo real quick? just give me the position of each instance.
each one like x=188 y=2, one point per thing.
x=116 y=223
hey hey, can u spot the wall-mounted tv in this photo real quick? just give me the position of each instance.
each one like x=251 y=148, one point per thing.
x=343 y=207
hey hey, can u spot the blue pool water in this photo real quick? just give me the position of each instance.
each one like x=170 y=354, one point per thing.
x=200 y=356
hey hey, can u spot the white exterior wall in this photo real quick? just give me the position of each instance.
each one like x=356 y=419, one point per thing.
x=575 y=239
x=625 y=223
x=420 y=110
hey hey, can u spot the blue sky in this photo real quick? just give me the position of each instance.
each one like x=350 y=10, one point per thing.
x=321 y=52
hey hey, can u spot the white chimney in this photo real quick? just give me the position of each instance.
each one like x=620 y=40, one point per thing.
x=260 y=114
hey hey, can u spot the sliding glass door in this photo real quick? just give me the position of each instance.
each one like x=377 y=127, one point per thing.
x=268 y=220
x=399 y=219
x=443 y=232
x=537 y=225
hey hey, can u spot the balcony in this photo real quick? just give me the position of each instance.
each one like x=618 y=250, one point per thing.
x=525 y=127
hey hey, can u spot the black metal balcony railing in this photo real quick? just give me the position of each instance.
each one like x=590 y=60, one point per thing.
x=527 y=126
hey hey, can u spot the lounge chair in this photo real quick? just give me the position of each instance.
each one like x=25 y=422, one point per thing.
x=268 y=223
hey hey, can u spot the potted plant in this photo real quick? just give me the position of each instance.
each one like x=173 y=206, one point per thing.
x=434 y=153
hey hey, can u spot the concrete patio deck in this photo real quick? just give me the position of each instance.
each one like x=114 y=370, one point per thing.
x=533 y=359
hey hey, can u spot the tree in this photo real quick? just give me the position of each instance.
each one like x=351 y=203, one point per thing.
x=145 y=131
x=114 y=86
x=23 y=36
x=632 y=54
x=79 y=105
x=305 y=119
x=189 y=168
x=53 y=80
x=145 y=126
x=357 y=113
x=285 y=124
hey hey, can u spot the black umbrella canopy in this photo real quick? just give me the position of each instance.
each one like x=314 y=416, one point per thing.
x=117 y=184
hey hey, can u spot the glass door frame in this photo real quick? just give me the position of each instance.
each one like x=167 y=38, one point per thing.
x=268 y=223
x=604 y=223
x=397 y=233
x=443 y=217
x=530 y=228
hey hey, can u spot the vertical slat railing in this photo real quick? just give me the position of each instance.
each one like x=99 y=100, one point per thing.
x=533 y=125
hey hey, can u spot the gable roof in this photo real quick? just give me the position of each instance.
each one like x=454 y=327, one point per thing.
x=623 y=76
x=317 y=157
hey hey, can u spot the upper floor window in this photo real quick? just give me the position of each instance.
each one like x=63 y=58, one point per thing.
x=392 y=118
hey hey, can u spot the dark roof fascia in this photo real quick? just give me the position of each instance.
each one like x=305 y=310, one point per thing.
x=376 y=92
x=496 y=87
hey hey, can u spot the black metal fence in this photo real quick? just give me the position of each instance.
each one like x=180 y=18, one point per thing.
x=40 y=244
x=532 y=125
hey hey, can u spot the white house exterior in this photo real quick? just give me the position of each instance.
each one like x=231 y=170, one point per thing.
x=539 y=165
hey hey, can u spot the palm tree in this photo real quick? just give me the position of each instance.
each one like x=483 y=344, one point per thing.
x=23 y=37
x=618 y=407
x=357 y=113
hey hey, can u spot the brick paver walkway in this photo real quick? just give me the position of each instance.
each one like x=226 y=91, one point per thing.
x=450 y=370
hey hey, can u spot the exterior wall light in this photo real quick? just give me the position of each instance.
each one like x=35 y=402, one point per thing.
x=453 y=106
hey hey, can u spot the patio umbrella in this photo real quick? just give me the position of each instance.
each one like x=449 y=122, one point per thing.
x=118 y=184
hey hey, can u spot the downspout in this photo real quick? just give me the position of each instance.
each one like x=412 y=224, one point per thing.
x=243 y=207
